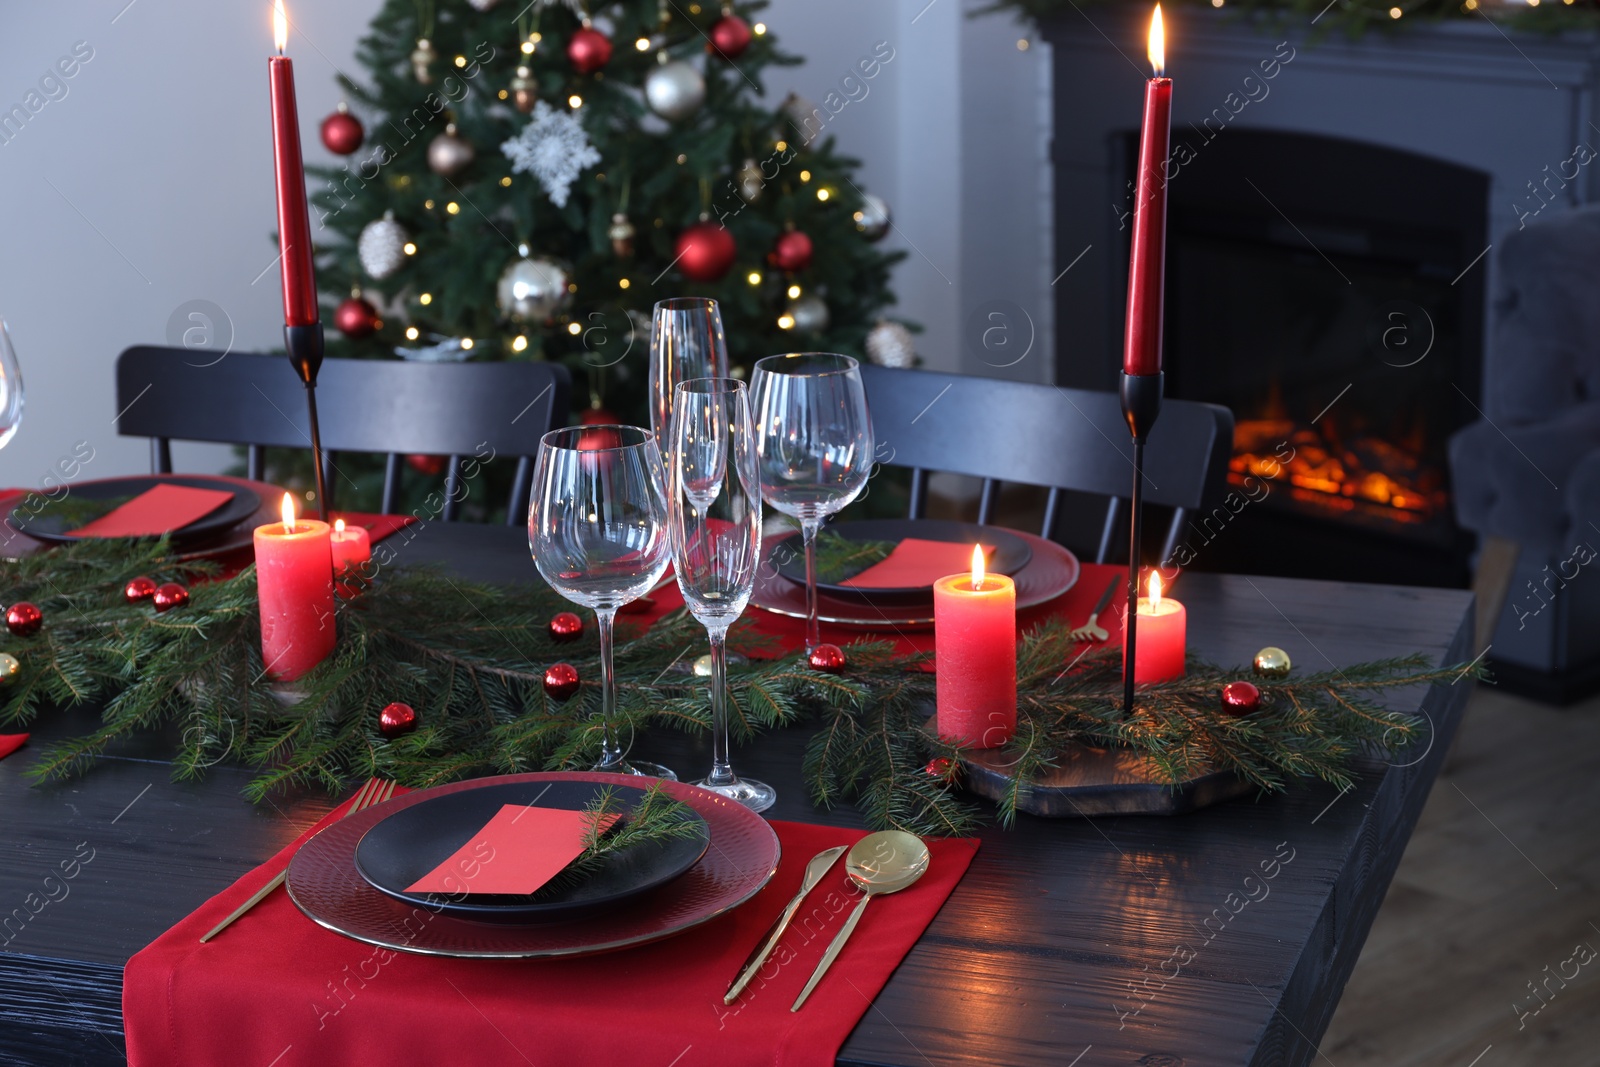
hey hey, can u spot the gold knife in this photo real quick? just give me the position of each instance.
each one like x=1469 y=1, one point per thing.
x=819 y=865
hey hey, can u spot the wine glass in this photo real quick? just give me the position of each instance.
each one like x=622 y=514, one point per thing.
x=714 y=498
x=598 y=530
x=814 y=443
x=10 y=387
x=685 y=342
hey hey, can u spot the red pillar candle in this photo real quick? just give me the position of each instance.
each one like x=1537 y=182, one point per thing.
x=294 y=582
x=351 y=546
x=294 y=225
x=1163 y=637
x=975 y=635
x=1141 y=352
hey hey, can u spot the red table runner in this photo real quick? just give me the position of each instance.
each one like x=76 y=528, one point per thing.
x=275 y=988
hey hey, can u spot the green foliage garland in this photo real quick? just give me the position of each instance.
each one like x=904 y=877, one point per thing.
x=471 y=658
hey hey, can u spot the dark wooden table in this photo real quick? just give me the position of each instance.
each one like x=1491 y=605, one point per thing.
x=1130 y=940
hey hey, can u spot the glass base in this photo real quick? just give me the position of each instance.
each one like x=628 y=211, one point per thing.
x=757 y=796
x=636 y=767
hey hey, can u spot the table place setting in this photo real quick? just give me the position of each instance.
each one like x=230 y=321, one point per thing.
x=521 y=854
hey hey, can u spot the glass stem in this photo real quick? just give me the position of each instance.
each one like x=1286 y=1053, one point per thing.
x=610 y=750
x=721 y=768
x=808 y=533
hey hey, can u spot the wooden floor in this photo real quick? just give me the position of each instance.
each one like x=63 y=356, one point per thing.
x=1497 y=890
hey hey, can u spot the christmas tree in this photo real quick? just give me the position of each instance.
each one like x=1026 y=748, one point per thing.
x=528 y=181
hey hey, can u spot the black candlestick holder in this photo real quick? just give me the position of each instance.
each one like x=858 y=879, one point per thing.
x=305 y=353
x=1141 y=403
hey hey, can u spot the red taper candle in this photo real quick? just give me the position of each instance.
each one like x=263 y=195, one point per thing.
x=1141 y=352
x=294 y=225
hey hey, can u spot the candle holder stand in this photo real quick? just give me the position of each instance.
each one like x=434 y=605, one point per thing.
x=1141 y=404
x=305 y=354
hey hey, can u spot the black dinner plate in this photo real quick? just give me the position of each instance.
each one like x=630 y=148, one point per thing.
x=55 y=520
x=1011 y=553
x=413 y=841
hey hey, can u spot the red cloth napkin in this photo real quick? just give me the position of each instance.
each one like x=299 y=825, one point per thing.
x=516 y=852
x=915 y=561
x=275 y=988
x=377 y=526
x=156 y=511
x=9 y=743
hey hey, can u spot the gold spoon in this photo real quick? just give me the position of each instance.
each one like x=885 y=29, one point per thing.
x=880 y=863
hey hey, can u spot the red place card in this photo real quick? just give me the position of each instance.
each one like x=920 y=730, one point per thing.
x=156 y=511
x=516 y=852
x=915 y=561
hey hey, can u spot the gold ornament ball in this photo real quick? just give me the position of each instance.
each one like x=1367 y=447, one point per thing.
x=1272 y=662
x=9 y=668
x=702 y=666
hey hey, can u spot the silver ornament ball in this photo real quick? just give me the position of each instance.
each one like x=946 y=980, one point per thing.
x=890 y=344
x=750 y=181
x=382 y=246
x=809 y=313
x=675 y=90
x=449 y=153
x=872 y=217
x=532 y=289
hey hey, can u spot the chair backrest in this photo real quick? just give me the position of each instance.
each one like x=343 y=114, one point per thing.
x=458 y=410
x=1061 y=439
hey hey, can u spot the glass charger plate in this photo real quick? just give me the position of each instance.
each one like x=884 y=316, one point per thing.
x=1051 y=571
x=324 y=884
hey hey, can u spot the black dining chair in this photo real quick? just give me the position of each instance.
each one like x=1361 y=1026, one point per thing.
x=396 y=408
x=1061 y=439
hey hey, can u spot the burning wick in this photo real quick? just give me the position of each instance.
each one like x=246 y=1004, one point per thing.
x=977 y=568
x=288 y=514
x=1155 y=593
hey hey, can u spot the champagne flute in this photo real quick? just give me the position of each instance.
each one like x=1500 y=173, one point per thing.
x=714 y=499
x=814 y=443
x=598 y=530
x=686 y=342
x=10 y=387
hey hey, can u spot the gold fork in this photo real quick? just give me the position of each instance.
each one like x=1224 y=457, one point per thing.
x=375 y=791
x=1089 y=631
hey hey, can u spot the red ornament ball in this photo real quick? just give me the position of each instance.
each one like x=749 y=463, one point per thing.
x=140 y=588
x=939 y=767
x=356 y=318
x=730 y=35
x=169 y=596
x=432 y=466
x=566 y=626
x=24 y=619
x=596 y=440
x=828 y=658
x=1240 y=698
x=342 y=133
x=792 y=252
x=561 y=681
x=589 y=50
x=397 y=719
x=705 y=251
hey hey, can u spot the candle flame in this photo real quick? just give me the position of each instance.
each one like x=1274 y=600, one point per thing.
x=288 y=513
x=977 y=567
x=280 y=26
x=1158 y=43
x=338 y=526
x=1155 y=592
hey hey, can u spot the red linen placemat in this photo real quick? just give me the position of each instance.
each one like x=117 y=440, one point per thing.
x=276 y=988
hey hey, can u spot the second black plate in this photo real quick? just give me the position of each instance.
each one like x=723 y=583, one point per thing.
x=87 y=501
x=1011 y=553
x=413 y=841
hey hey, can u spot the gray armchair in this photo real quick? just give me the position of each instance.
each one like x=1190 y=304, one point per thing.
x=1528 y=473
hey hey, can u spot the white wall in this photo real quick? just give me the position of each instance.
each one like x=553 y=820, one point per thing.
x=149 y=185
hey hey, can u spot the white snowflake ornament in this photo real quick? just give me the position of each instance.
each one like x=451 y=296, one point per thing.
x=554 y=148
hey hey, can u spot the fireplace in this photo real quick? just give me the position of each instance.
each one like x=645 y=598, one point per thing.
x=1316 y=286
